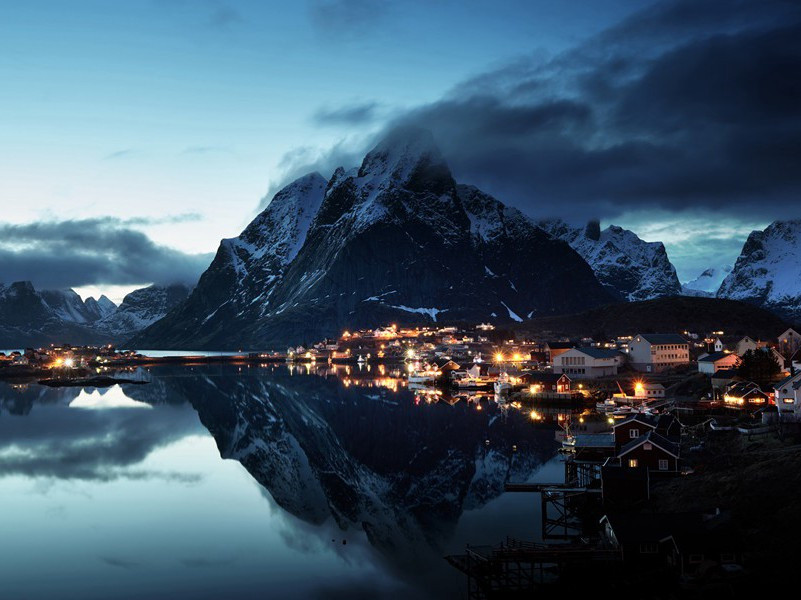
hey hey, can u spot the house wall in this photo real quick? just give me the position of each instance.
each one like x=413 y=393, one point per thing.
x=623 y=432
x=650 y=458
x=652 y=358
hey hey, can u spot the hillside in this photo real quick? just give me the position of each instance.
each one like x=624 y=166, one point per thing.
x=673 y=314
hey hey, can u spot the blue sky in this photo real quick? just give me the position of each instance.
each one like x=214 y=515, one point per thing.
x=174 y=118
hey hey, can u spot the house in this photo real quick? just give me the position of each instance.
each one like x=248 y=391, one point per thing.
x=540 y=382
x=587 y=363
x=787 y=396
x=718 y=345
x=622 y=486
x=746 y=344
x=709 y=364
x=554 y=349
x=654 y=352
x=790 y=342
x=745 y=394
x=636 y=425
x=653 y=451
x=795 y=361
x=446 y=365
x=648 y=390
x=693 y=545
x=723 y=378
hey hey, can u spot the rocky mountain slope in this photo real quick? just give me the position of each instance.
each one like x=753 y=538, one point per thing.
x=395 y=239
x=628 y=266
x=768 y=271
x=37 y=318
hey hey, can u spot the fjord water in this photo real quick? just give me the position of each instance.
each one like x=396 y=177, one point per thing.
x=213 y=482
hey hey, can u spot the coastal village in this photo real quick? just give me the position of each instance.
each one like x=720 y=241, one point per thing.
x=632 y=415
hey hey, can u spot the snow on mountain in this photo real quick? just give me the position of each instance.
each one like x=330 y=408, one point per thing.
x=625 y=264
x=102 y=307
x=768 y=270
x=393 y=240
x=37 y=318
x=142 y=308
x=68 y=306
x=707 y=283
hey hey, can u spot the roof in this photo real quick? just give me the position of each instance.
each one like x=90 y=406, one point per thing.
x=787 y=380
x=561 y=345
x=653 y=438
x=645 y=419
x=595 y=440
x=741 y=390
x=598 y=352
x=725 y=374
x=543 y=377
x=715 y=356
x=663 y=338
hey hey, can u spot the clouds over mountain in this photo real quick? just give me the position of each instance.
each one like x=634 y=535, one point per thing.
x=685 y=105
x=91 y=251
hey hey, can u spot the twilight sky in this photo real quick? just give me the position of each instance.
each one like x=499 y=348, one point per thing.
x=134 y=136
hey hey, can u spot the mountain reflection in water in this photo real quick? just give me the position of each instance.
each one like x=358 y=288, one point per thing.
x=363 y=485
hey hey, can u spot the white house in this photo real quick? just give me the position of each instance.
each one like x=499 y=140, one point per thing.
x=711 y=363
x=790 y=342
x=586 y=363
x=746 y=344
x=718 y=345
x=787 y=395
x=654 y=352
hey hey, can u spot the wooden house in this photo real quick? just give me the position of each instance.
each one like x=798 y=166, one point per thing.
x=653 y=451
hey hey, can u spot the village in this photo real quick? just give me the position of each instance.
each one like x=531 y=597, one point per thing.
x=634 y=417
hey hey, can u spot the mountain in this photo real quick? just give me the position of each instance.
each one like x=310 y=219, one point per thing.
x=393 y=240
x=31 y=318
x=768 y=271
x=671 y=314
x=707 y=283
x=628 y=266
x=38 y=318
x=142 y=308
x=68 y=306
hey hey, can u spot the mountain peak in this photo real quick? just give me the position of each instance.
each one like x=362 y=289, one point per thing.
x=404 y=153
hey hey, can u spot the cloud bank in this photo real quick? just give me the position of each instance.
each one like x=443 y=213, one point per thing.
x=93 y=251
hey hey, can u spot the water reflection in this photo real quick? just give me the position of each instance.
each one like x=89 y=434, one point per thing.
x=361 y=486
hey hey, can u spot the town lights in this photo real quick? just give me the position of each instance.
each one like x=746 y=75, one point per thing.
x=499 y=357
x=68 y=362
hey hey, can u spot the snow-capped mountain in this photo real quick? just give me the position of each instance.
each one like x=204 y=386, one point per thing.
x=768 y=270
x=37 y=318
x=142 y=308
x=68 y=306
x=628 y=266
x=393 y=240
x=707 y=283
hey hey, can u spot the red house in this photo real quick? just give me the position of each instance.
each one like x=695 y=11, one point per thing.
x=651 y=450
x=547 y=382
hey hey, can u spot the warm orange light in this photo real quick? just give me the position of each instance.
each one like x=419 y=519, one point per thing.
x=499 y=357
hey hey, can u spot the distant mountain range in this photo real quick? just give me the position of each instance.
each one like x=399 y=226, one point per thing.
x=398 y=240
x=768 y=271
x=626 y=265
x=37 y=318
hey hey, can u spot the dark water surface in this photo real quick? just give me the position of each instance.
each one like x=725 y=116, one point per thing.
x=221 y=482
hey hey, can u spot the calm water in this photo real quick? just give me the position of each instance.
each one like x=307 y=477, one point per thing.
x=219 y=482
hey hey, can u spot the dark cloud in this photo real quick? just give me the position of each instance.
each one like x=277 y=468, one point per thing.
x=93 y=251
x=354 y=114
x=685 y=105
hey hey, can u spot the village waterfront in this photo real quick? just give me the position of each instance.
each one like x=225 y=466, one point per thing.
x=503 y=465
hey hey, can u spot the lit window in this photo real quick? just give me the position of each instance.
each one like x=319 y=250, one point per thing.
x=632 y=462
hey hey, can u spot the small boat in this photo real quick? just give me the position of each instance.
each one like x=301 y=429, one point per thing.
x=424 y=376
x=361 y=359
x=502 y=385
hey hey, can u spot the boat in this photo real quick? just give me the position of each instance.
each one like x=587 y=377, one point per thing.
x=502 y=385
x=464 y=381
x=424 y=376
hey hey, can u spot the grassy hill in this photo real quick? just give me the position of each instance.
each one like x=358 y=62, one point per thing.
x=667 y=315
